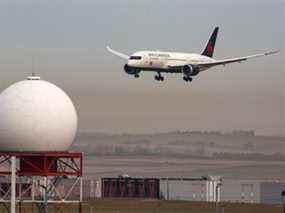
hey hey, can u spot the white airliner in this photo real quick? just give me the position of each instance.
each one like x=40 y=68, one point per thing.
x=188 y=64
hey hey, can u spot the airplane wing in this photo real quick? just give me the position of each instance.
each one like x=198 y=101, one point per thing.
x=121 y=55
x=233 y=60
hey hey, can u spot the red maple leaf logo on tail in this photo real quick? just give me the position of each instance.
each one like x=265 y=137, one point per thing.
x=210 y=48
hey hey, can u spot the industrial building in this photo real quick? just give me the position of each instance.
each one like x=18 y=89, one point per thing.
x=252 y=191
x=207 y=189
x=194 y=189
x=128 y=187
x=214 y=189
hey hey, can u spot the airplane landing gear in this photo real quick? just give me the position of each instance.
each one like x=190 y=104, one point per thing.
x=187 y=78
x=158 y=77
x=137 y=75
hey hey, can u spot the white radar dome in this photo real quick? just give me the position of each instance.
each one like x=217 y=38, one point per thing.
x=36 y=115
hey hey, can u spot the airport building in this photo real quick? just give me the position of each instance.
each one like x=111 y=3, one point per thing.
x=194 y=189
x=216 y=190
x=252 y=191
x=207 y=189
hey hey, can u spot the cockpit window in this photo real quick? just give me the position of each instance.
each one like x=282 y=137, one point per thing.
x=135 y=58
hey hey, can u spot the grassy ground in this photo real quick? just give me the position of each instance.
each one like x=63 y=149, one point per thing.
x=147 y=206
x=142 y=166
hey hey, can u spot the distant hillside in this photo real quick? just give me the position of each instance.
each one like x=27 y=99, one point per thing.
x=195 y=144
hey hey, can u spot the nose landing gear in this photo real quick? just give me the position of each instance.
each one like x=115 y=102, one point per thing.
x=159 y=77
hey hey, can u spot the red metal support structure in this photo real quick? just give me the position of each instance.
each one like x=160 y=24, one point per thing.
x=43 y=174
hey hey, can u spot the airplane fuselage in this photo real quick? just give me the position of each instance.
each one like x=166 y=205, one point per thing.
x=164 y=61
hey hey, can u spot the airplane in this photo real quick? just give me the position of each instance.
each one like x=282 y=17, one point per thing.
x=188 y=64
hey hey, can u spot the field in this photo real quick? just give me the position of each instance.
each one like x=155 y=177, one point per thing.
x=148 y=206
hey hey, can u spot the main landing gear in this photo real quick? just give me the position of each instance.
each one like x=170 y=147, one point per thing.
x=187 y=78
x=158 y=77
x=137 y=75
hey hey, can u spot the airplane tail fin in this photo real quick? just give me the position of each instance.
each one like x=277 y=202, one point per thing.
x=209 y=49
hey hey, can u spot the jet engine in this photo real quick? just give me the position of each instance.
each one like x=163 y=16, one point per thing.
x=130 y=70
x=190 y=70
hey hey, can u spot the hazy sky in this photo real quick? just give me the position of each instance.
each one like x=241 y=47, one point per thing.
x=67 y=38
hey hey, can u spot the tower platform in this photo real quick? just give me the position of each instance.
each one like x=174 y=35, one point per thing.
x=37 y=178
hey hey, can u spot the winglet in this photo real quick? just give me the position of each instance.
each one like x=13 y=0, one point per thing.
x=121 y=55
x=272 y=52
x=209 y=49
